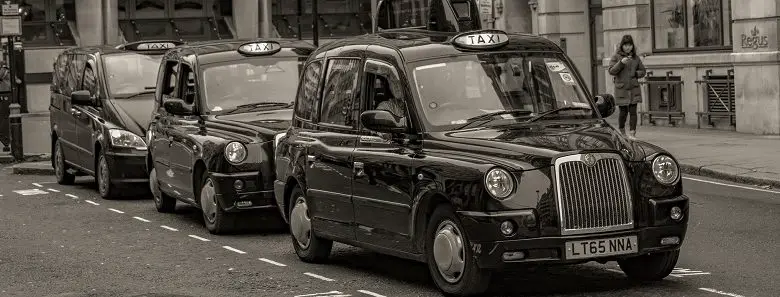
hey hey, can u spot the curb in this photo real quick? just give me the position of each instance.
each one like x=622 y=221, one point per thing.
x=8 y=159
x=699 y=171
x=33 y=169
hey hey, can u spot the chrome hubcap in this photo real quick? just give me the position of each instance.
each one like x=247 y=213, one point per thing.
x=103 y=175
x=208 y=201
x=448 y=251
x=58 y=161
x=300 y=223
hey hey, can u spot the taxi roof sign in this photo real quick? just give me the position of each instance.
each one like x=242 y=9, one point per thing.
x=485 y=39
x=258 y=48
x=150 y=45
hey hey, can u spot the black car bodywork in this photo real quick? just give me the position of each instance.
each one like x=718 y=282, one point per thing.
x=383 y=183
x=188 y=139
x=84 y=113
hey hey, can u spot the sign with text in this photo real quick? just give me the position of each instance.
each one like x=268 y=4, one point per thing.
x=754 y=40
x=10 y=9
x=10 y=25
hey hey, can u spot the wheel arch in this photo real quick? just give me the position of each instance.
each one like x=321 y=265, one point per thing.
x=198 y=170
x=421 y=211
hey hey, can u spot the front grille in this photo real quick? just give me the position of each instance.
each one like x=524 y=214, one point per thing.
x=593 y=197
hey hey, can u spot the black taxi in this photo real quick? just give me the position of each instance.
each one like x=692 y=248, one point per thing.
x=218 y=107
x=474 y=152
x=101 y=99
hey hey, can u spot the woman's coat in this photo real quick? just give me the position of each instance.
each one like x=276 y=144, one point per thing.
x=626 y=78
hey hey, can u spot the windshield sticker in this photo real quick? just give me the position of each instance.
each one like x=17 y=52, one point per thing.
x=580 y=104
x=458 y=122
x=567 y=78
x=217 y=108
x=555 y=66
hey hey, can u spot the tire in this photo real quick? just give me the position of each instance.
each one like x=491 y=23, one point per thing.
x=308 y=246
x=60 y=167
x=443 y=231
x=106 y=188
x=653 y=267
x=216 y=220
x=163 y=202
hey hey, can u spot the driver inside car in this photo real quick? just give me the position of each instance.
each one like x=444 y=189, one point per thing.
x=390 y=101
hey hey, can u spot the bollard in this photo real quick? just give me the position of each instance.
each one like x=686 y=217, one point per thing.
x=17 y=150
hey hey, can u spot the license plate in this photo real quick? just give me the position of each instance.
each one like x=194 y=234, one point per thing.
x=593 y=248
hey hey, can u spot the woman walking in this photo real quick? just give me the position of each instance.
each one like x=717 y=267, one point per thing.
x=626 y=69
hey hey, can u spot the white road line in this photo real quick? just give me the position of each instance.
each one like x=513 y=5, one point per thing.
x=77 y=197
x=232 y=249
x=198 y=237
x=319 y=277
x=720 y=292
x=370 y=293
x=92 y=202
x=169 y=228
x=142 y=219
x=321 y=294
x=272 y=262
x=37 y=185
x=116 y=210
x=730 y=185
x=53 y=190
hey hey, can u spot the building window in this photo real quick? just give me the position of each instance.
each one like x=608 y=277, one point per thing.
x=186 y=20
x=47 y=22
x=691 y=24
x=337 y=18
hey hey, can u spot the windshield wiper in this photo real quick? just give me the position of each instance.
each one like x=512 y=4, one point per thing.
x=263 y=104
x=146 y=91
x=489 y=116
x=557 y=110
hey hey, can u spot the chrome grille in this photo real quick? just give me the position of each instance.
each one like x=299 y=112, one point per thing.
x=593 y=194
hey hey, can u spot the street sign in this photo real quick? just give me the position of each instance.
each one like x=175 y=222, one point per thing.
x=10 y=25
x=486 y=7
x=10 y=9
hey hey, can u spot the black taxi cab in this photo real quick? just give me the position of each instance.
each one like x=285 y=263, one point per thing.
x=216 y=112
x=473 y=152
x=101 y=99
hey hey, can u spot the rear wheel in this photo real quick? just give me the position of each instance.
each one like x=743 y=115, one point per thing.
x=60 y=168
x=162 y=202
x=217 y=220
x=308 y=246
x=653 y=267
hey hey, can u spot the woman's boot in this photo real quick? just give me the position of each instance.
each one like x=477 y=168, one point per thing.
x=632 y=134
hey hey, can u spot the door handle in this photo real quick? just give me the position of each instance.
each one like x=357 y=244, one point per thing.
x=358 y=169
x=311 y=158
x=75 y=112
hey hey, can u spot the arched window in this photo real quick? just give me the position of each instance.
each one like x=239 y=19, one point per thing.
x=187 y=20
x=336 y=18
x=47 y=22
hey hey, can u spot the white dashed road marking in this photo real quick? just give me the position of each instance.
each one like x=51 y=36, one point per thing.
x=272 y=262
x=53 y=190
x=142 y=219
x=74 y=197
x=232 y=249
x=169 y=228
x=319 y=277
x=680 y=272
x=37 y=185
x=92 y=202
x=116 y=210
x=370 y=293
x=720 y=292
x=30 y=192
x=198 y=237
x=326 y=294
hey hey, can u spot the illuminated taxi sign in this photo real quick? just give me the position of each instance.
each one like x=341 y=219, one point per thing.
x=260 y=48
x=481 y=39
x=155 y=46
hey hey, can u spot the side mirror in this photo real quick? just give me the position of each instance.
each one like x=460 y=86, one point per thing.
x=382 y=121
x=606 y=104
x=82 y=97
x=178 y=107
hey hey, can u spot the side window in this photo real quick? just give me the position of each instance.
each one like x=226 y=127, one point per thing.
x=76 y=70
x=187 y=84
x=339 y=93
x=60 y=73
x=169 y=80
x=306 y=103
x=89 y=82
x=385 y=88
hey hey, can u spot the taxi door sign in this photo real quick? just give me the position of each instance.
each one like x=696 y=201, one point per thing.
x=260 y=48
x=481 y=39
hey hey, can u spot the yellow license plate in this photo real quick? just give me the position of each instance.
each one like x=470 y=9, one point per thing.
x=594 y=248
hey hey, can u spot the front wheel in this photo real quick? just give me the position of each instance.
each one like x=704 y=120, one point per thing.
x=103 y=176
x=217 y=220
x=60 y=168
x=162 y=202
x=308 y=246
x=653 y=267
x=450 y=261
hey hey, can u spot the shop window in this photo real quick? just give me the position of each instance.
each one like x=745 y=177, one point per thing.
x=47 y=22
x=187 y=20
x=691 y=24
x=336 y=18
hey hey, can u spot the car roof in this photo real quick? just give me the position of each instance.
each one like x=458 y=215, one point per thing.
x=121 y=48
x=418 y=44
x=216 y=51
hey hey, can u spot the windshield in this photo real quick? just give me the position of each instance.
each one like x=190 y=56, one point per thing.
x=497 y=88
x=250 y=82
x=129 y=74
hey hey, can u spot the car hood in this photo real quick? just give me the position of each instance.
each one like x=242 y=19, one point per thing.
x=134 y=114
x=264 y=124
x=535 y=146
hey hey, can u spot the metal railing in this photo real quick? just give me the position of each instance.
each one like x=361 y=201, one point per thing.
x=671 y=86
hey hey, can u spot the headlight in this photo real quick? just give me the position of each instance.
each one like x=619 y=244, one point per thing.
x=499 y=183
x=235 y=152
x=122 y=138
x=665 y=169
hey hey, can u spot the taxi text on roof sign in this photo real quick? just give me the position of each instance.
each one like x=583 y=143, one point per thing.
x=154 y=46
x=481 y=39
x=260 y=48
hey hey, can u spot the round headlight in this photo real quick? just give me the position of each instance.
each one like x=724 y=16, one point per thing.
x=665 y=170
x=235 y=152
x=499 y=183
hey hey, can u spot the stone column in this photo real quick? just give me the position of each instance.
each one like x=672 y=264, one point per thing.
x=89 y=21
x=111 y=21
x=246 y=17
x=756 y=60
x=566 y=19
x=513 y=16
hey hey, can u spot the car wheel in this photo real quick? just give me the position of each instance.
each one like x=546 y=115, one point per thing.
x=450 y=260
x=217 y=220
x=653 y=267
x=60 y=168
x=308 y=246
x=103 y=176
x=162 y=202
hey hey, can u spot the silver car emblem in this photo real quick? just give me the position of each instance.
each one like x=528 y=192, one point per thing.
x=589 y=160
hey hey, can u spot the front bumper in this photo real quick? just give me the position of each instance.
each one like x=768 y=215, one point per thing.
x=127 y=167
x=250 y=196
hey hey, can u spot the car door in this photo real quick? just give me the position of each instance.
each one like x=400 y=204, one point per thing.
x=382 y=190
x=168 y=81
x=182 y=147
x=62 y=111
x=86 y=115
x=329 y=167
